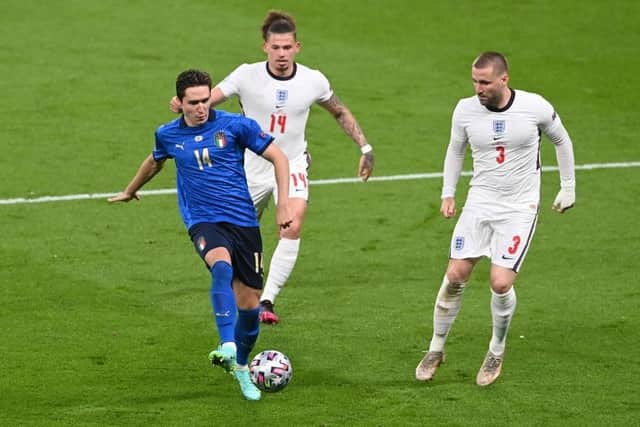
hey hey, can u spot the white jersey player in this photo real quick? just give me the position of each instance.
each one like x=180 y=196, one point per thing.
x=503 y=127
x=281 y=107
x=278 y=94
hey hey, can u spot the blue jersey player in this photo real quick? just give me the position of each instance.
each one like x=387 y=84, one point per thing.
x=208 y=149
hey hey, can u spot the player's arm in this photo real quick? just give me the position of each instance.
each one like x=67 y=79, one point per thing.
x=350 y=126
x=557 y=133
x=453 y=163
x=281 y=165
x=217 y=97
x=147 y=170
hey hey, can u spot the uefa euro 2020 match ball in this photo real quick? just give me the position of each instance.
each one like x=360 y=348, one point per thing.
x=271 y=370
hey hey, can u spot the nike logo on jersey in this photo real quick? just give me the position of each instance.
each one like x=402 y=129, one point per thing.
x=496 y=138
x=507 y=257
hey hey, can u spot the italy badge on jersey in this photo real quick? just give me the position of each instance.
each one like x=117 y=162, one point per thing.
x=219 y=139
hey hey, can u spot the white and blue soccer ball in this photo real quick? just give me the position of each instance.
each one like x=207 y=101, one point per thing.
x=271 y=370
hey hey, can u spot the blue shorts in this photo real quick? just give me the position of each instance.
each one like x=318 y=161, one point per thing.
x=243 y=243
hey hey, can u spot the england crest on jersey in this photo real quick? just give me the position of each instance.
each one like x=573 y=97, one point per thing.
x=458 y=243
x=281 y=96
x=499 y=126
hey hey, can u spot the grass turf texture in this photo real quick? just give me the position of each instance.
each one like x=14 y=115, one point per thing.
x=105 y=314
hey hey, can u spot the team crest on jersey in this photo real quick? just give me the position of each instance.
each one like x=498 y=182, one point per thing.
x=198 y=138
x=458 y=243
x=220 y=139
x=281 y=96
x=499 y=126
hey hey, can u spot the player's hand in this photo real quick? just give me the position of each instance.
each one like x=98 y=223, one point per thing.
x=565 y=199
x=365 y=168
x=123 y=197
x=448 y=207
x=175 y=105
x=283 y=217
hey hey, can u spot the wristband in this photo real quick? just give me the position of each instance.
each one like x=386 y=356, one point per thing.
x=366 y=148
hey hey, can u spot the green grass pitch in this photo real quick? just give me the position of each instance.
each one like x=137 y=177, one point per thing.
x=105 y=314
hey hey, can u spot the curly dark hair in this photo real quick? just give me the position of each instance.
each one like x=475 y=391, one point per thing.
x=191 y=78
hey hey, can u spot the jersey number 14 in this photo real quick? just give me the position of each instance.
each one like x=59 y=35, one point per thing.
x=278 y=121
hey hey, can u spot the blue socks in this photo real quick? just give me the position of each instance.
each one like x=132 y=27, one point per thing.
x=223 y=300
x=239 y=326
x=246 y=334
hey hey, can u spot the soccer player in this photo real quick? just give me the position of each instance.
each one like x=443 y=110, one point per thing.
x=502 y=125
x=278 y=93
x=208 y=149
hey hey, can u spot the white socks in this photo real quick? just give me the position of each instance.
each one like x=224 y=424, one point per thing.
x=502 y=308
x=282 y=262
x=448 y=303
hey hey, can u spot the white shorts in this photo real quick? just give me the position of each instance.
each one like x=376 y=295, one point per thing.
x=503 y=236
x=262 y=188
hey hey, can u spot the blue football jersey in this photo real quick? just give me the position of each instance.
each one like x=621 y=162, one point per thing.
x=210 y=177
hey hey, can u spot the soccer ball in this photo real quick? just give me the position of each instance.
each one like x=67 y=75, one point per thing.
x=271 y=370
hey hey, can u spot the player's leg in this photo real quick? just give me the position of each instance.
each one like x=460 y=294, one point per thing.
x=509 y=248
x=247 y=286
x=286 y=253
x=446 y=308
x=212 y=245
x=283 y=259
x=246 y=335
x=503 y=306
x=469 y=242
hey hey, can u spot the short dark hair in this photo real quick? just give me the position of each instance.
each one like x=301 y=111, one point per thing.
x=495 y=59
x=278 y=22
x=191 y=78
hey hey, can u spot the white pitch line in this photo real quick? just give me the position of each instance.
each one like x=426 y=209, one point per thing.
x=414 y=176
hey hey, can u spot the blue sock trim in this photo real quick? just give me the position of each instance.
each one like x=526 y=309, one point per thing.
x=223 y=300
x=246 y=333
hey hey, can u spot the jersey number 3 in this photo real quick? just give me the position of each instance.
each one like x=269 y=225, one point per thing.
x=278 y=121
x=500 y=157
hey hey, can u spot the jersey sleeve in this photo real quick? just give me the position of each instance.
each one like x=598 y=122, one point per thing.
x=323 y=87
x=550 y=124
x=254 y=138
x=159 y=150
x=230 y=85
x=454 y=159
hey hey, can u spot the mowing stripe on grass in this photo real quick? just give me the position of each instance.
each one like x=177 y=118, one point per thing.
x=414 y=176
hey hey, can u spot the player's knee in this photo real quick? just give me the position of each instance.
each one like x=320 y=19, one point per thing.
x=501 y=285
x=502 y=280
x=292 y=232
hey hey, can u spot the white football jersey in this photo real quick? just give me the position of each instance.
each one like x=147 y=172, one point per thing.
x=505 y=146
x=279 y=105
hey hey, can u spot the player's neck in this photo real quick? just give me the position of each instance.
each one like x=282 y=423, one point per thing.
x=282 y=73
x=505 y=99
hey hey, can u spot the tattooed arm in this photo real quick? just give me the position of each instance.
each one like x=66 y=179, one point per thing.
x=350 y=125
